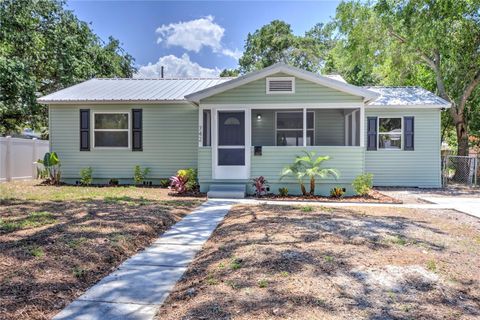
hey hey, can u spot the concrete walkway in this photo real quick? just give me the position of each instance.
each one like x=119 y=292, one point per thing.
x=140 y=285
x=466 y=205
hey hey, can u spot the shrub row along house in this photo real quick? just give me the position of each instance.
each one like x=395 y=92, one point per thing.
x=235 y=129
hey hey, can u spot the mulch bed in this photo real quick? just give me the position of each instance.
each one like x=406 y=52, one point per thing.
x=281 y=262
x=373 y=197
x=53 y=251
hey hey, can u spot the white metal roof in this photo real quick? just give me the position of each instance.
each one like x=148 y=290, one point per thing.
x=406 y=96
x=128 y=90
x=181 y=90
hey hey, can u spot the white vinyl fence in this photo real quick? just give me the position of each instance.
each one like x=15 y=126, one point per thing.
x=17 y=157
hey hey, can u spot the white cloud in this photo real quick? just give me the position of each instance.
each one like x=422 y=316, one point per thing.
x=176 y=67
x=235 y=54
x=194 y=35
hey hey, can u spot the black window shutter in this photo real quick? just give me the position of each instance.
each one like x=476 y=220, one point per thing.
x=372 y=133
x=84 y=129
x=137 y=130
x=408 y=122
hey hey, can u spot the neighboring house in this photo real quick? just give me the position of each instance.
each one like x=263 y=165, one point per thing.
x=234 y=129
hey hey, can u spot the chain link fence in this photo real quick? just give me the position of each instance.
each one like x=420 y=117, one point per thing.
x=460 y=170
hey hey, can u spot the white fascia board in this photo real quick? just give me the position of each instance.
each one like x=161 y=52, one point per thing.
x=282 y=68
x=411 y=106
x=67 y=102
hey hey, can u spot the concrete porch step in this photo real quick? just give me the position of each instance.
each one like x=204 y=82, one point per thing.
x=227 y=191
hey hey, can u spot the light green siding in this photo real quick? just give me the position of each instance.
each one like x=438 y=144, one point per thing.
x=204 y=164
x=169 y=142
x=348 y=160
x=418 y=168
x=329 y=127
x=305 y=92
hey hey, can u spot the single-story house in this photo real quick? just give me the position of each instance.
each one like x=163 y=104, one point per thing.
x=235 y=129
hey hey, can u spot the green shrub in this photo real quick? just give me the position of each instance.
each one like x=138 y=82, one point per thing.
x=337 y=192
x=283 y=191
x=113 y=182
x=86 y=176
x=363 y=183
x=50 y=168
x=139 y=174
x=164 y=183
x=190 y=175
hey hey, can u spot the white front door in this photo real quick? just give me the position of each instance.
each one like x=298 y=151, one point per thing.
x=231 y=154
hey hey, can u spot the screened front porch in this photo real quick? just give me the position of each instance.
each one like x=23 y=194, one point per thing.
x=323 y=127
x=242 y=143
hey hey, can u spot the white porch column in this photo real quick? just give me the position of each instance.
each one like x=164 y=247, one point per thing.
x=304 y=127
x=362 y=126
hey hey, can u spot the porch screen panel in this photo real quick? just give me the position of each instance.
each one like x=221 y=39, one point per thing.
x=289 y=128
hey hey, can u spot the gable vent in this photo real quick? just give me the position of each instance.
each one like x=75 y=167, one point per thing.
x=281 y=85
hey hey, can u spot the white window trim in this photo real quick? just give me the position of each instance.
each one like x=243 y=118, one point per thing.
x=267 y=85
x=379 y=133
x=128 y=113
x=307 y=129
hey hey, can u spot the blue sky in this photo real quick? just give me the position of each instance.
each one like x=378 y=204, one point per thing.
x=192 y=38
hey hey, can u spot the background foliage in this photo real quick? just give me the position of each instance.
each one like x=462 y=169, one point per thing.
x=434 y=44
x=44 y=48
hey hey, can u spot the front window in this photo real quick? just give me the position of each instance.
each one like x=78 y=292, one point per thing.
x=111 y=130
x=290 y=128
x=390 y=133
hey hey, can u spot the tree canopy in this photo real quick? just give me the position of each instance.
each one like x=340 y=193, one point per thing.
x=430 y=43
x=44 y=48
x=275 y=42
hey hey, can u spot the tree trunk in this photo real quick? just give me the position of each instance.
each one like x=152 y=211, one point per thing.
x=462 y=138
x=304 y=191
x=312 y=186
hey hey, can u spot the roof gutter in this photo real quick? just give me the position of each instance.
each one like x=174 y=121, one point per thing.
x=109 y=102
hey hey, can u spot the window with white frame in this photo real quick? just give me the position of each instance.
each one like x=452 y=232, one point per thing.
x=390 y=133
x=289 y=128
x=111 y=130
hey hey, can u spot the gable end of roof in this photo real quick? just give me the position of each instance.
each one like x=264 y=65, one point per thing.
x=282 y=68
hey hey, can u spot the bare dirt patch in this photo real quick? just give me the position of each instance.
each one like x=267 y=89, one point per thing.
x=287 y=262
x=56 y=242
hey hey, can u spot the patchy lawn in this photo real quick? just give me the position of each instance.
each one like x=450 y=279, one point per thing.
x=281 y=262
x=55 y=242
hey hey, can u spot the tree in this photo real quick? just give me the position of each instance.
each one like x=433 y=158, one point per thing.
x=275 y=42
x=44 y=48
x=229 y=73
x=423 y=42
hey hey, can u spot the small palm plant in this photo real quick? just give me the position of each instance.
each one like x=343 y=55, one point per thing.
x=312 y=166
x=295 y=170
x=309 y=166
